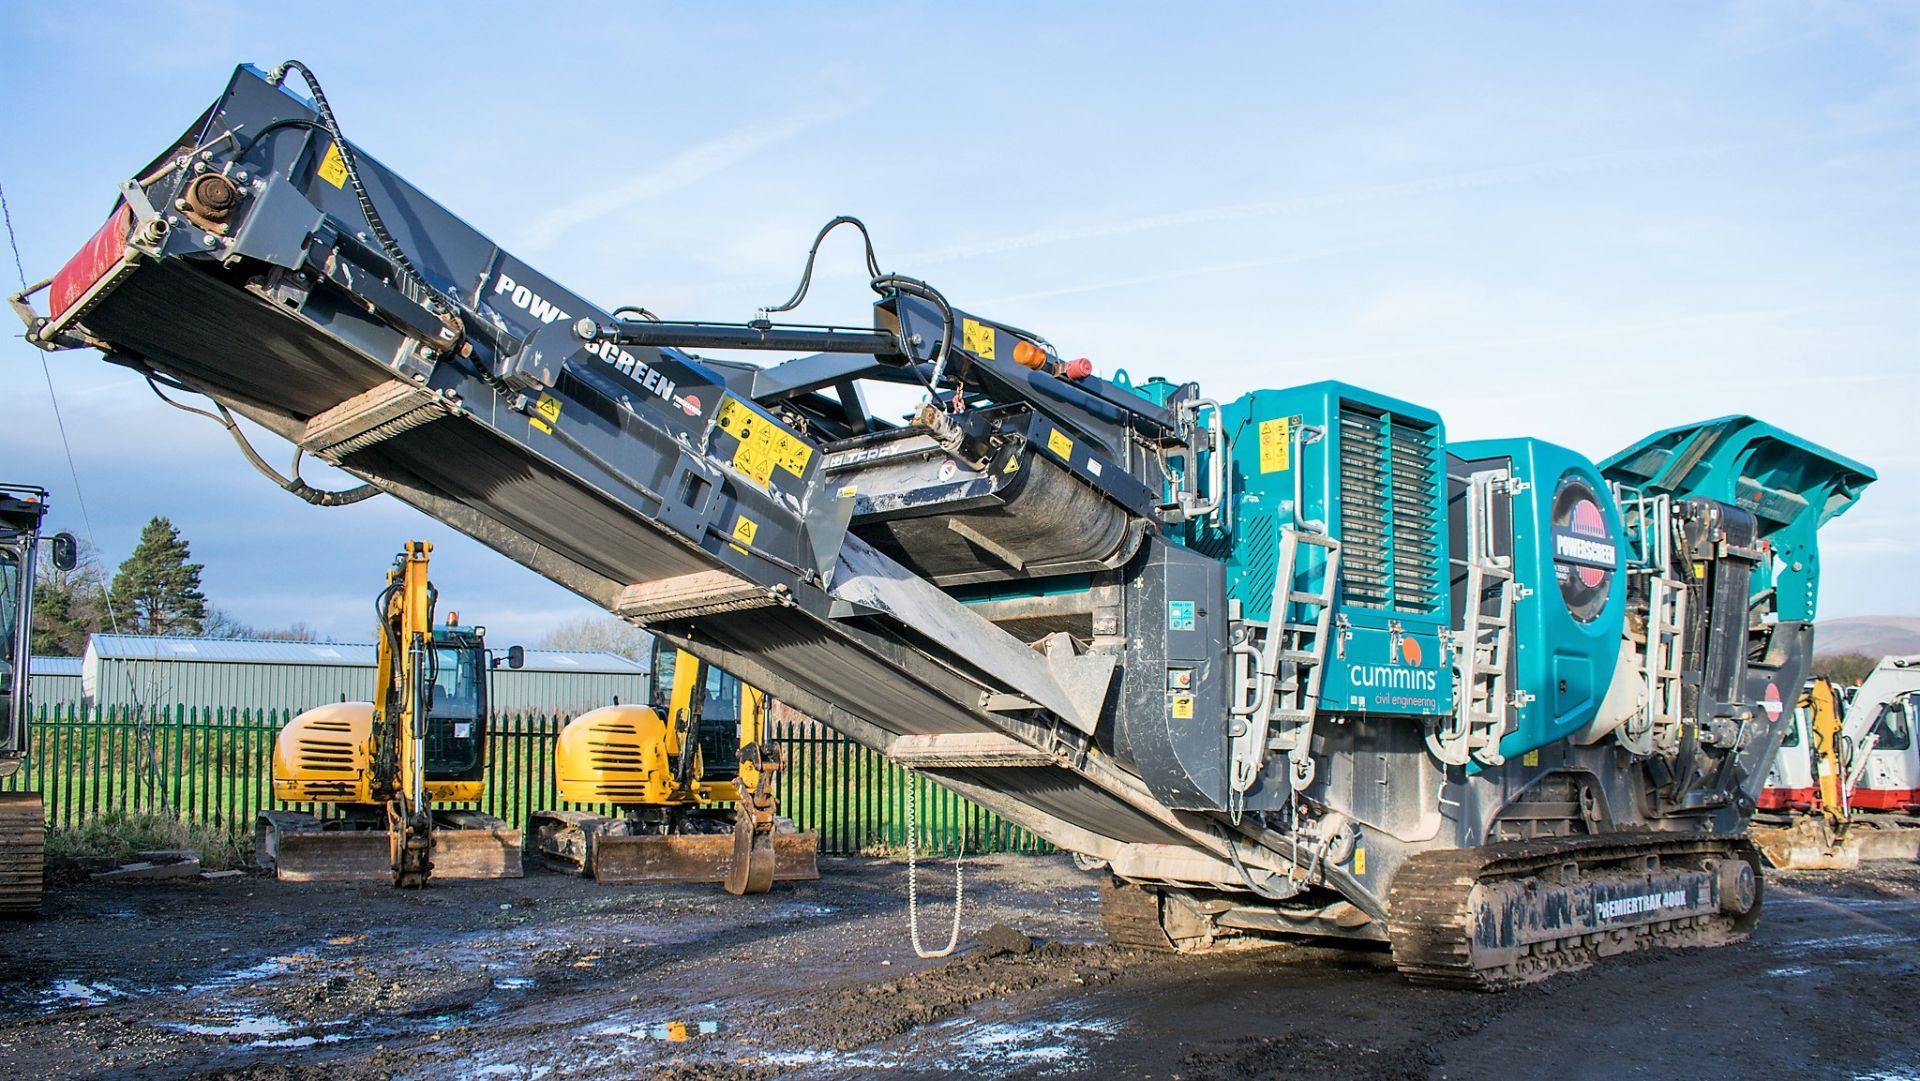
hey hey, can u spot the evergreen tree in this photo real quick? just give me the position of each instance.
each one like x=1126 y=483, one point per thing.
x=157 y=588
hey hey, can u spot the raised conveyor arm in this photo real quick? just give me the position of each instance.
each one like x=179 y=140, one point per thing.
x=442 y=369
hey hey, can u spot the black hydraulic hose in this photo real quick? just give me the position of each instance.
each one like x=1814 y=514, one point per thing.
x=319 y=497
x=900 y=283
x=806 y=274
x=412 y=276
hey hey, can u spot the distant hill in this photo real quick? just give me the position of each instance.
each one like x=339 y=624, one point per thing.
x=1875 y=636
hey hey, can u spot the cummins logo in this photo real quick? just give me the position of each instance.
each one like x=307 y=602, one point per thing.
x=1388 y=677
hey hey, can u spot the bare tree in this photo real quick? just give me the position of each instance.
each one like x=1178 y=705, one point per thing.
x=600 y=633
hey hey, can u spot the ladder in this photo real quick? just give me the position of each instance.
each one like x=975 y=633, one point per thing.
x=1482 y=702
x=1480 y=708
x=1292 y=660
x=1666 y=657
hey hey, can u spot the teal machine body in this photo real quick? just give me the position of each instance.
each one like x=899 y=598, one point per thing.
x=1369 y=471
x=1553 y=516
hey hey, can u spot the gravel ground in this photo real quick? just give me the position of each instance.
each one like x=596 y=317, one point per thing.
x=552 y=977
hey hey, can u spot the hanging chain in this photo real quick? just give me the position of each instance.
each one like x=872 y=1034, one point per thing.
x=913 y=885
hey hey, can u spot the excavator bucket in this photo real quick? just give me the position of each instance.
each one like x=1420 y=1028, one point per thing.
x=1811 y=845
x=588 y=844
x=751 y=869
x=707 y=857
x=304 y=851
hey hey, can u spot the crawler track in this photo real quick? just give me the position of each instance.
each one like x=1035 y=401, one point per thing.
x=23 y=831
x=1435 y=916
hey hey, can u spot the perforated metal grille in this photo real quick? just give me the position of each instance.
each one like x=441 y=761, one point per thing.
x=1389 y=532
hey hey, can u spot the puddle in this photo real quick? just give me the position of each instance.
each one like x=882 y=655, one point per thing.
x=1895 y=1073
x=513 y=983
x=80 y=993
x=507 y=1069
x=1867 y=940
x=1003 y=1048
x=240 y=1025
x=980 y=1049
x=1791 y=970
x=303 y=1041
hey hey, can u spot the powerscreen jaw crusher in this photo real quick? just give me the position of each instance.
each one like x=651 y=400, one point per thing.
x=1289 y=664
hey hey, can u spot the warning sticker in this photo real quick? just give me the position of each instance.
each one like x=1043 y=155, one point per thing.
x=1274 y=444
x=1531 y=758
x=744 y=530
x=1058 y=443
x=764 y=445
x=1360 y=861
x=976 y=338
x=333 y=167
x=545 y=412
x=1182 y=707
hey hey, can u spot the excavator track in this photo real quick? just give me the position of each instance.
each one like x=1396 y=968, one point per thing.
x=1502 y=915
x=23 y=831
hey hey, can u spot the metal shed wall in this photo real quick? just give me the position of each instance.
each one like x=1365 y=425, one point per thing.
x=127 y=670
x=55 y=682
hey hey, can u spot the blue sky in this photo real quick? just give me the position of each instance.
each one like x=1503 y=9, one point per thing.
x=1579 y=223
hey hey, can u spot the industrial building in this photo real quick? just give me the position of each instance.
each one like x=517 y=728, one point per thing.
x=133 y=670
x=56 y=682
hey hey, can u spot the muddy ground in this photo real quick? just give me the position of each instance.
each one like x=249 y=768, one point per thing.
x=551 y=977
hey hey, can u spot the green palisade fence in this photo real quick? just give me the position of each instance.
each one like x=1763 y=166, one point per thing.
x=215 y=767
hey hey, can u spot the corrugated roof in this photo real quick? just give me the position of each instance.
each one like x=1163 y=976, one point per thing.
x=345 y=654
x=54 y=666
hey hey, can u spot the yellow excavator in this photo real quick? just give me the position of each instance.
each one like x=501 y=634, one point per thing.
x=692 y=775
x=390 y=766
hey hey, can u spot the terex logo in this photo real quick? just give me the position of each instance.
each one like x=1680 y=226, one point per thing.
x=527 y=300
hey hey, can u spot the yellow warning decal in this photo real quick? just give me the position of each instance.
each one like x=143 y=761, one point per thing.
x=1531 y=758
x=744 y=530
x=1183 y=707
x=333 y=167
x=1274 y=444
x=764 y=444
x=976 y=338
x=1359 y=861
x=1013 y=464
x=849 y=491
x=1058 y=443
x=545 y=412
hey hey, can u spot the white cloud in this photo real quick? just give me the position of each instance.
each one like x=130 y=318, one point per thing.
x=690 y=166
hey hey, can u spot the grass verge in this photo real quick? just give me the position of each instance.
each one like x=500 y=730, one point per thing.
x=118 y=837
